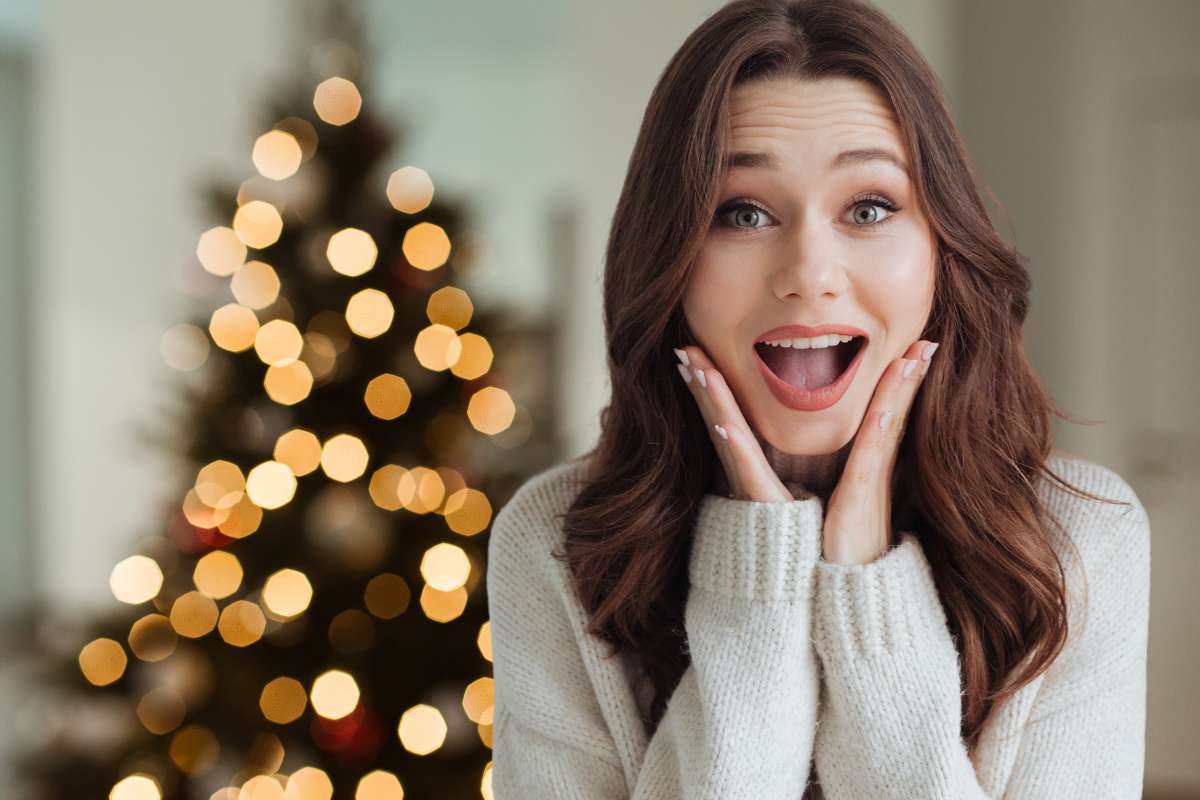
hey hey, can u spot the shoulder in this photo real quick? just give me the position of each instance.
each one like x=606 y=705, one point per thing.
x=1106 y=566
x=529 y=524
x=1095 y=526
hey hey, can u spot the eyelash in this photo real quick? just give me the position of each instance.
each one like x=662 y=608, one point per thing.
x=871 y=197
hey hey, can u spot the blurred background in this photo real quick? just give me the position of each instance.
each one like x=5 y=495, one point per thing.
x=463 y=159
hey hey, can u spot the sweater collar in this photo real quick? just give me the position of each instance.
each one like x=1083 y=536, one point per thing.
x=813 y=474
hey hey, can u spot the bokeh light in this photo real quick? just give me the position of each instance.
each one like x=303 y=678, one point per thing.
x=369 y=313
x=410 y=189
x=334 y=694
x=422 y=729
x=258 y=224
x=491 y=410
x=351 y=252
x=276 y=155
x=337 y=101
x=426 y=246
x=136 y=580
x=220 y=251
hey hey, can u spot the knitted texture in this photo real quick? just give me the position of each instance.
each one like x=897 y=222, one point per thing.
x=805 y=671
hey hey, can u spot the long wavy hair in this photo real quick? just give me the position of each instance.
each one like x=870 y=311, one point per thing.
x=967 y=483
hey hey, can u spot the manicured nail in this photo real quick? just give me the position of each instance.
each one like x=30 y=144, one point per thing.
x=682 y=354
x=687 y=376
x=909 y=366
x=927 y=353
x=883 y=419
x=722 y=432
x=703 y=380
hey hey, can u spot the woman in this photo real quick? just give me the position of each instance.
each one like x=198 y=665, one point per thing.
x=830 y=563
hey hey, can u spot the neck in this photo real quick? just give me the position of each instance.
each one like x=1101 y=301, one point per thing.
x=817 y=474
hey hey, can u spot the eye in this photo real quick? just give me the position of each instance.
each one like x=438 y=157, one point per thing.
x=746 y=210
x=871 y=201
x=735 y=212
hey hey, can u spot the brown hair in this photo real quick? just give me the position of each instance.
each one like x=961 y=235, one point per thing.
x=968 y=481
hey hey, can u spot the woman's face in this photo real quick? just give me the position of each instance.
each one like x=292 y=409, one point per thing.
x=824 y=247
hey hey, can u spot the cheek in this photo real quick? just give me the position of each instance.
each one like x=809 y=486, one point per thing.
x=899 y=288
x=711 y=305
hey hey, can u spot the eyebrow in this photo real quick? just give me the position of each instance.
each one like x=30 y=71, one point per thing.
x=845 y=158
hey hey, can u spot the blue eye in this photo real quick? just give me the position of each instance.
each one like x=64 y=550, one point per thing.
x=749 y=209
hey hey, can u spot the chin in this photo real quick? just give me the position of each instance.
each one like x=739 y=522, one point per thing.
x=813 y=437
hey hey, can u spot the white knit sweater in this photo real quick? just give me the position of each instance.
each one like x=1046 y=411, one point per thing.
x=799 y=665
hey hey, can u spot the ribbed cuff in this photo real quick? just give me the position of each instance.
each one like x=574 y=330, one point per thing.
x=756 y=550
x=887 y=607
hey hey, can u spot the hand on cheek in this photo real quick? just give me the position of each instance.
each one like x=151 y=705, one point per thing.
x=857 y=526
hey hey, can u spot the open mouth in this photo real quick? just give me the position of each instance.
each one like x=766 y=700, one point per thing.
x=810 y=369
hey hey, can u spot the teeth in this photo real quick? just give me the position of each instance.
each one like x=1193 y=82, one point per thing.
x=828 y=340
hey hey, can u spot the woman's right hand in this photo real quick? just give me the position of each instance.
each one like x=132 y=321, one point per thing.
x=747 y=472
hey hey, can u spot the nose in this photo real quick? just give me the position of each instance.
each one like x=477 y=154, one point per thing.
x=810 y=266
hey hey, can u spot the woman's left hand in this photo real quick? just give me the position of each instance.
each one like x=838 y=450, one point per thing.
x=858 y=516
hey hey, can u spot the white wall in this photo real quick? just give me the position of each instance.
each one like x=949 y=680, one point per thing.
x=137 y=103
x=477 y=97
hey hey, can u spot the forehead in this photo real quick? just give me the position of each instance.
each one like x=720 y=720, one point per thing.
x=792 y=119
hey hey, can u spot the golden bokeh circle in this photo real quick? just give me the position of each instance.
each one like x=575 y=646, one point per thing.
x=491 y=410
x=242 y=623
x=276 y=155
x=337 y=101
x=309 y=783
x=136 y=580
x=289 y=383
x=410 y=190
x=102 y=661
x=437 y=347
x=369 y=313
x=334 y=694
x=300 y=449
x=450 y=306
x=152 y=638
x=387 y=396
x=255 y=285
x=220 y=251
x=344 y=457
x=475 y=357
x=351 y=252
x=217 y=574
x=258 y=224
x=193 y=614
x=233 y=327
x=283 y=700
x=422 y=729
x=287 y=593
x=426 y=246
x=271 y=484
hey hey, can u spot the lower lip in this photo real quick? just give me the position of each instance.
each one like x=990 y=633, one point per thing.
x=810 y=399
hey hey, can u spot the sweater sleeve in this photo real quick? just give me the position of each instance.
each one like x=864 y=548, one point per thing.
x=890 y=722
x=740 y=722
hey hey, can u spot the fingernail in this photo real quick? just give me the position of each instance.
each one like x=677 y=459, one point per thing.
x=682 y=354
x=927 y=353
x=721 y=431
x=909 y=366
x=687 y=376
x=883 y=419
x=703 y=380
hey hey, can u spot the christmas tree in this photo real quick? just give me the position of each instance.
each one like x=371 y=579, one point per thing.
x=307 y=619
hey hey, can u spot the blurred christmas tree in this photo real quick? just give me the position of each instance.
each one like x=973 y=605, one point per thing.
x=308 y=620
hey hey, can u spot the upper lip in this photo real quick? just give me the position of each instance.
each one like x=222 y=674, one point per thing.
x=808 y=331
